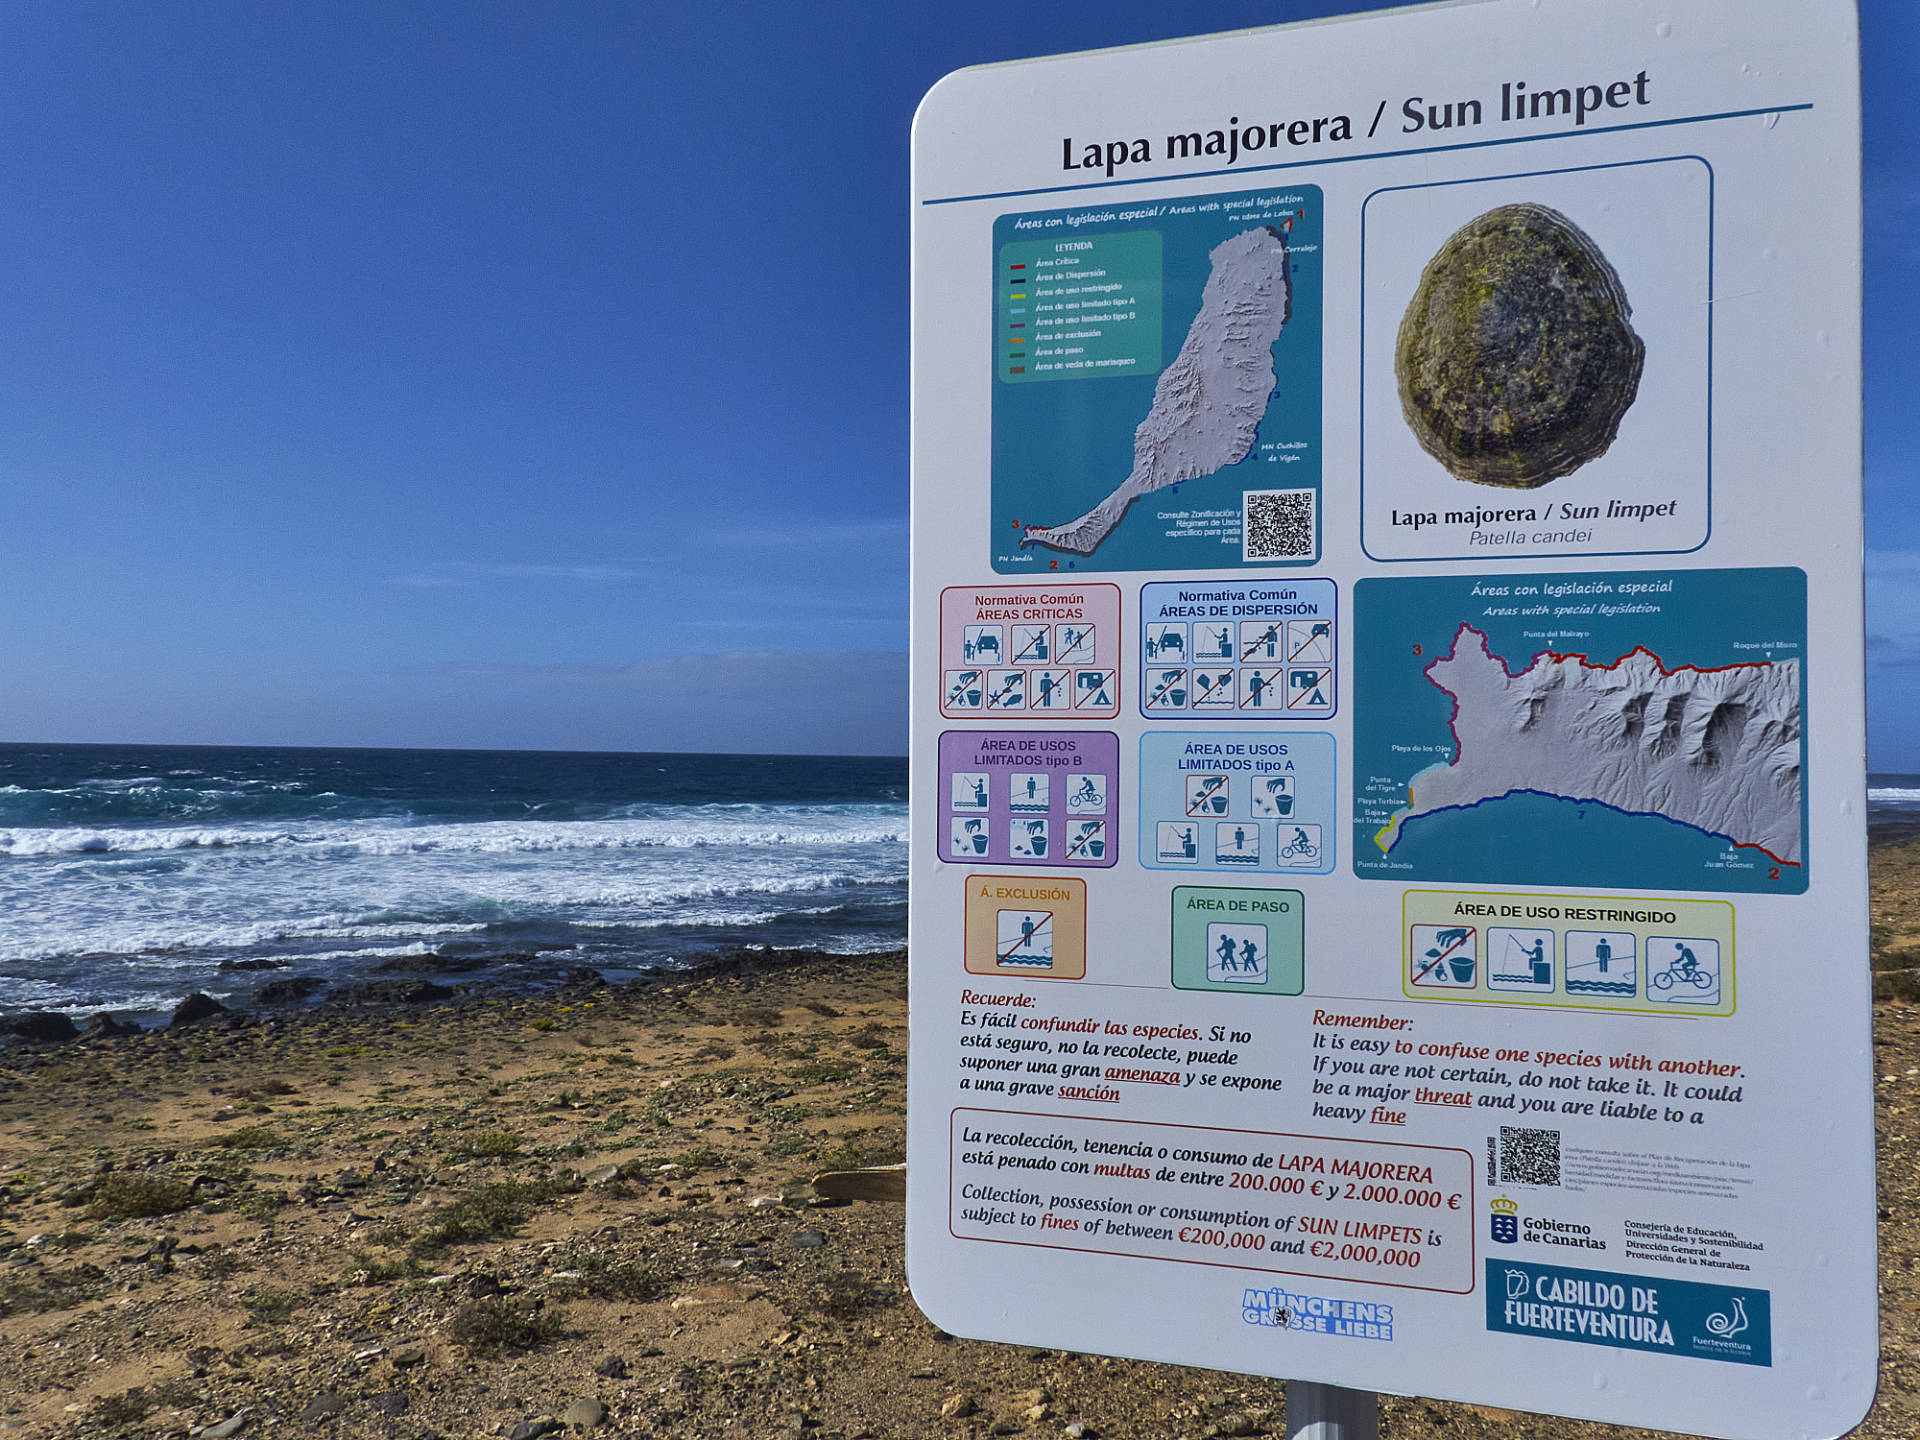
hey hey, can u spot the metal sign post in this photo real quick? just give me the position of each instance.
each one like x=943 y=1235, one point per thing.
x=1389 y=867
x=1328 y=1412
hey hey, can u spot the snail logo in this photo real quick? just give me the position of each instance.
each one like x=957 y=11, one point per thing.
x=1727 y=1326
x=1506 y=1221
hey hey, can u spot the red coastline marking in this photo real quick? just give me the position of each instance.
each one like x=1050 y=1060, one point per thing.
x=1486 y=642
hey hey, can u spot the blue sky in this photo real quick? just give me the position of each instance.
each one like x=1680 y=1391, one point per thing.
x=535 y=376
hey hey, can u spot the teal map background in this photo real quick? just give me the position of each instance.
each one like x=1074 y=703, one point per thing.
x=1059 y=448
x=1533 y=839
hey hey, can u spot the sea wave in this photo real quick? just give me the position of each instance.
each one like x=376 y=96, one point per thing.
x=755 y=830
x=586 y=901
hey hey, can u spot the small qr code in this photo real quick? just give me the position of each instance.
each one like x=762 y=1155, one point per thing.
x=1278 y=525
x=1529 y=1157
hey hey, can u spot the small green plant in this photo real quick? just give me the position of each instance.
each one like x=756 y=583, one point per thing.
x=132 y=1197
x=543 y=1023
x=489 y=1145
x=268 y=1306
x=251 y=1137
x=610 y=1277
x=821 y=1072
x=843 y=1295
x=130 y=1407
x=855 y=1156
x=489 y=1212
x=378 y=1271
x=495 y=1324
x=54 y=1290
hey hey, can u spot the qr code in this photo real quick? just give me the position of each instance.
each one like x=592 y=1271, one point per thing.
x=1529 y=1157
x=1277 y=525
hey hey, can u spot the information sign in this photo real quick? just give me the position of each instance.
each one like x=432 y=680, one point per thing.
x=1389 y=906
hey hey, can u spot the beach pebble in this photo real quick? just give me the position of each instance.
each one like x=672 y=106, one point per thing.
x=408 y=1355
x=1079 y=1430
x=533 y=1429
x=585 y=1413
x=231 y=1426
x=1235 y=1423
x=612 y=1367
x=602 y=1175
x=958 y=1407
x=1037 y=1412
x=1040 y=1395
x=389 y=1402
x=764 y=1202
x=321 y=1406
x=807 y=1240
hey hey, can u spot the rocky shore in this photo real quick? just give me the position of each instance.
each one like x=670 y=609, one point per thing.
x=587 y=1212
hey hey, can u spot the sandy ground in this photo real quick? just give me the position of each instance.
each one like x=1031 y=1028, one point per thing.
x=486 y=1218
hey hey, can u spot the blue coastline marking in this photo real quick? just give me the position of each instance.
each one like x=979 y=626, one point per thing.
x=1579 y=800
x=1379 y=155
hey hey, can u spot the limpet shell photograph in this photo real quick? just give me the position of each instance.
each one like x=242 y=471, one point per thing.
x=1541 y=343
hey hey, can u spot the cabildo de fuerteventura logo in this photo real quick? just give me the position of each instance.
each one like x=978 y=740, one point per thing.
x=1506 y=1221
x=1631 y=1312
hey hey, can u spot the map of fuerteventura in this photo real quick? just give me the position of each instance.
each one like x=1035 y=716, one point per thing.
x=1717 y=749
x=1208 y=403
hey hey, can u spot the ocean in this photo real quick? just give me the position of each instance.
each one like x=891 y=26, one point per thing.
x=131 y=876
x=1892 y=797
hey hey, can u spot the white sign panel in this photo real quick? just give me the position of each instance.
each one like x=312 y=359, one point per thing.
x=1389 y=892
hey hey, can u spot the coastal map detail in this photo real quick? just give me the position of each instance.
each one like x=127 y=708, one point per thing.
x=1602 y=729
x=1717 y=749
x=1088 y=423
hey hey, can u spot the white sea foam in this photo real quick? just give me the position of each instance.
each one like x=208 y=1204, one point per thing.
x=751 y=830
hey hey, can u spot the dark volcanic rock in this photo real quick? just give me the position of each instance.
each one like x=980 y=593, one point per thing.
x=289 y=990
x=438 y=964
x=195 y=1008
x=393 y=992
x=105 y=1027
x=42 y=1026
x=253 y=964
x=1515 y=358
